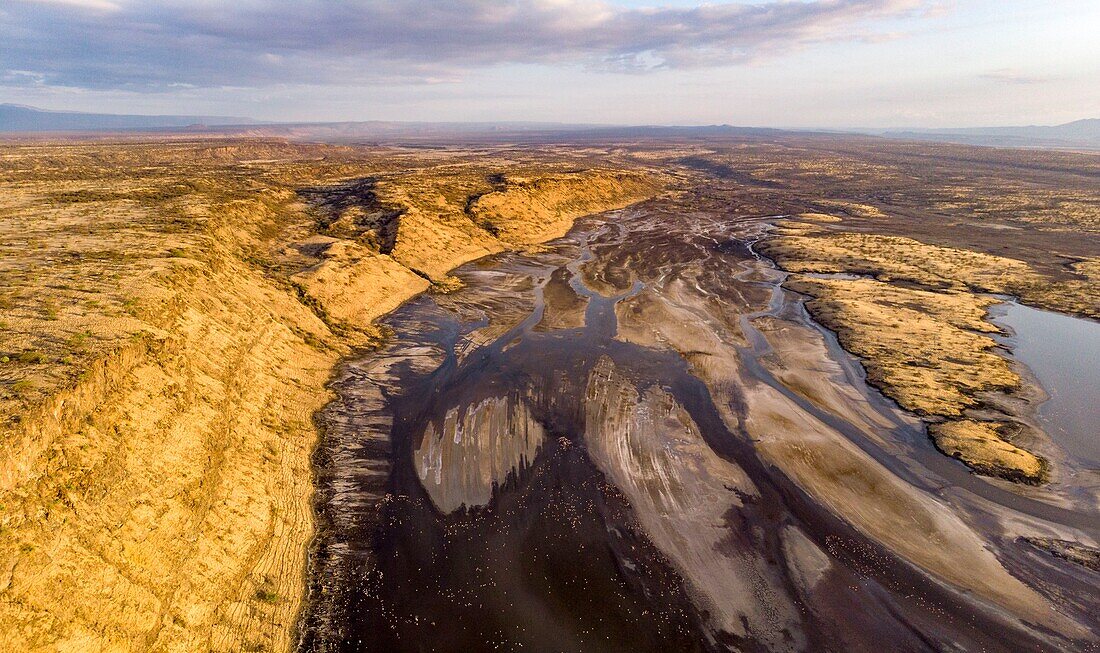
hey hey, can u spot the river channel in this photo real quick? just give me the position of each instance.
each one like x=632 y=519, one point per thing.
x=634 y=439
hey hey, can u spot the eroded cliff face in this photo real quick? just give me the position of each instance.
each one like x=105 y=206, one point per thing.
x=161 y=369
x=390 y=237
x=528 y=210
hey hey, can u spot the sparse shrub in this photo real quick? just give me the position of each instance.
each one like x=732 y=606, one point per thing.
x=142 y=337
x=79 y=341
x=312 y=340
x=22 y=387
x=32 y=357
x=266 y=596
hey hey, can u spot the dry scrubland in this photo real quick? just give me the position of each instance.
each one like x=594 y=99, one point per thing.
x=171 y=313
x=926 y=342
x=931 y=232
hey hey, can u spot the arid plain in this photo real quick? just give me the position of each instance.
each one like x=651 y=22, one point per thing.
x=745 y=393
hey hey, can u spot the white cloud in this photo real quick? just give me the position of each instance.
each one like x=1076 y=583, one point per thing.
x=150 y=45
x=1015 y=76
x=95 y=5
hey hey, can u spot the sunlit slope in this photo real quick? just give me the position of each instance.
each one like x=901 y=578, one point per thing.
x=171 y=314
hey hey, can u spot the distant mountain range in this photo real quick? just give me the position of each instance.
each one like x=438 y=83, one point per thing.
x=21 y=118
x=24 y=119
x=1080 y=134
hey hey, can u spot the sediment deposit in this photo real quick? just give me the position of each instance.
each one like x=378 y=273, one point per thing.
x=711 y=457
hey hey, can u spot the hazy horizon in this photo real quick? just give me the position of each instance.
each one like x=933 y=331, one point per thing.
x=814 y=64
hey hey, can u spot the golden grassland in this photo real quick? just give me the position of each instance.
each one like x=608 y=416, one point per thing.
x=927 y=349
x=171 y=314
x=982 y=446
x=900 y=260
x=916 y=316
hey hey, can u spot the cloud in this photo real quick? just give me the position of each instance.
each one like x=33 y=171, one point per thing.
x=149 y=45
x=1014 y=76
x=93 y=5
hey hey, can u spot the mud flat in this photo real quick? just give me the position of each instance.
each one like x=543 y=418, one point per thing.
x=695 y=465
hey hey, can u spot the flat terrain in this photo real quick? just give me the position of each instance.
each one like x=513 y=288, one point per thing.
x=737 y=374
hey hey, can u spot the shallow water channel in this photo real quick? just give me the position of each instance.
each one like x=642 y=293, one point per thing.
x=621 y=443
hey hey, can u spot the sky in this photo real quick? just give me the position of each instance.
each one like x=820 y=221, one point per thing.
x=790 y=63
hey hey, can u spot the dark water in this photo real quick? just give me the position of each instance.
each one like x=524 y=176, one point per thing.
x=1064 y=354
x=557 y=560
x=554 y=562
